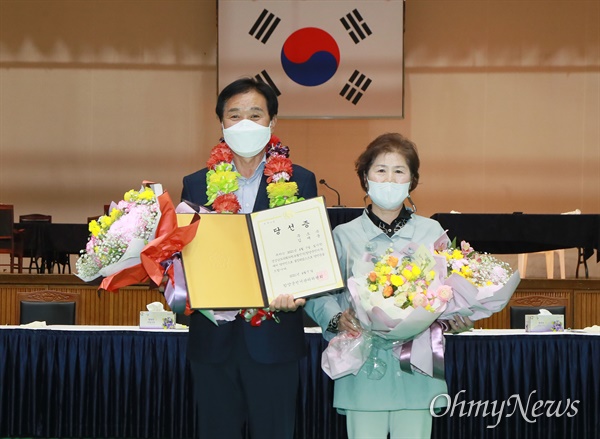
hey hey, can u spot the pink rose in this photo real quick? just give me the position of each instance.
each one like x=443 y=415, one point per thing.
x=419 y=300
x=444 y=293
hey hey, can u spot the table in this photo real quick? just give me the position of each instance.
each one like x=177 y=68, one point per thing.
x=524 y=233
x=53 y=241
x=341 y=215
x=48 y=240
x=122 y=382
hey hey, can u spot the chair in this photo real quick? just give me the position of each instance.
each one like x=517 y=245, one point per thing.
x=581 y=261
x=35 y=217
x=53 y=307
x=11 y=242
x=182 y=319
x=30 y=253
x=518 y=313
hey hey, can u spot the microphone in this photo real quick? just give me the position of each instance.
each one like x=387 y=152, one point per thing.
x=339 y=203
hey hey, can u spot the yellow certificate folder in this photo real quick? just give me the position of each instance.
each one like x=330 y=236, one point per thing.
x=246 y=260
x=220 y=263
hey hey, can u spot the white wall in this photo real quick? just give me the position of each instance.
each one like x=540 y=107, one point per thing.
x=502 y=98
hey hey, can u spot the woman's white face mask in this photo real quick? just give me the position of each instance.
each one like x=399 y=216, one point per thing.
x=247 y=138
x=388 y=195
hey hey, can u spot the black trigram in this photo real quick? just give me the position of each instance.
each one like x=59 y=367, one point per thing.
x=356 y=87
x=356 y=26
x=266 y=79
x=264 y=26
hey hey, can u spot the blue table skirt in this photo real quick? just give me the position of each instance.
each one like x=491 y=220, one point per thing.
x=136 y=384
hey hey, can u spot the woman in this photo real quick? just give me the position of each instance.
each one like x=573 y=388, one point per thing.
x=399 y=402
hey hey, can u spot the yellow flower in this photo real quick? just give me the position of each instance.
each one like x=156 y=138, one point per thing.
x=373 y=287
x=466 y=271
x=385 y=269
x=223 y=176
x=411 y=273
x=430 y=276
x=146 y=194
x=94 y=228
x=106 y=221
x=282 y=189
x=457 y=254
x=129 y=195
x=396 y=280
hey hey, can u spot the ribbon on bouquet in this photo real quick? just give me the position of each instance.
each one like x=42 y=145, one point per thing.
x=175 y=288
x=436 y=340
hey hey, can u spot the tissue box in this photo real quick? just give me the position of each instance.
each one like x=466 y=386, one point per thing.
x=157 y=320
x=544 y=323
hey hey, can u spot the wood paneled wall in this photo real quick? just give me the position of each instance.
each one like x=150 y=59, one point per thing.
x=580 y=296
x=105 y=308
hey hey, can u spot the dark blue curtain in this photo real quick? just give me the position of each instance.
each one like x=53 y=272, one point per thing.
x=124 y=384
x=560 y=372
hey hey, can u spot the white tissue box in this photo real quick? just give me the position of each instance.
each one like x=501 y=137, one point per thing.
x=157 y=320
x=544 y=323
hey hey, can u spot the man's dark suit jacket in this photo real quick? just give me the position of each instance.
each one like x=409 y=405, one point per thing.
x=272 y=342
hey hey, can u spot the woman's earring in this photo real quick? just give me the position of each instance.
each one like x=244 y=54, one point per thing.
x=414 y=207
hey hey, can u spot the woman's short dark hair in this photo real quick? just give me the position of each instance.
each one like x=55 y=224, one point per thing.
x=245 y=85
x=389 y=142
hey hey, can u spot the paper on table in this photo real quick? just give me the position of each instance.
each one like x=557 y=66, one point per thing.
x=592 y=329
x=35 y=325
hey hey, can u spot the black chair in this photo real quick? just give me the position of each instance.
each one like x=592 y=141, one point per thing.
x=35 y=260
x=53 y=313
x=182 y=319
x=53 y=307
x=11 y=242
x=518 y=313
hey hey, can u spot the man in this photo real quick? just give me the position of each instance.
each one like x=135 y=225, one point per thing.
x=244 y=374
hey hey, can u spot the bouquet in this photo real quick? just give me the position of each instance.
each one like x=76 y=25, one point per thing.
x=138 y=240
x=402 y=295
x=118 y=238
x=396 y=302
x=482 y=284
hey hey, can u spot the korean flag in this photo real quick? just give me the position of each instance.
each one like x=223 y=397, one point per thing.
x=324 y=59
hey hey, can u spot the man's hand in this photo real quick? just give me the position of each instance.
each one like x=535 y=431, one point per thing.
x=286 y=302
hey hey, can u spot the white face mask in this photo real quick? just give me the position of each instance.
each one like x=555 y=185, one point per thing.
x=247 y=138
x=388 y=196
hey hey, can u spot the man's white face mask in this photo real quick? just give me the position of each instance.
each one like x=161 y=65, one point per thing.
x=247 y=138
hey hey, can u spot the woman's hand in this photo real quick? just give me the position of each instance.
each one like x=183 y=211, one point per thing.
x=349 y=323
x=459 y=324
x=286 y=303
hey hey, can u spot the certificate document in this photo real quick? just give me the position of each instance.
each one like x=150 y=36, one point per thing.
x=295 y=249
x=246 y=260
